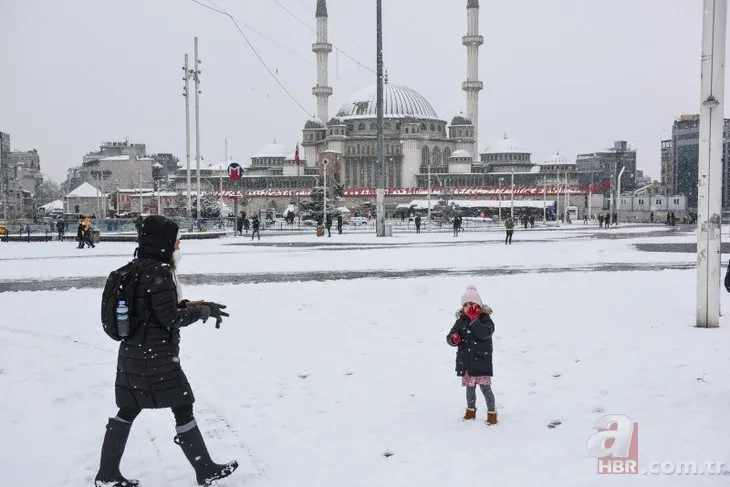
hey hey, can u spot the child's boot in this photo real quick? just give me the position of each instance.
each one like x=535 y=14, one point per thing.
x=491 y=417
x=470 y=413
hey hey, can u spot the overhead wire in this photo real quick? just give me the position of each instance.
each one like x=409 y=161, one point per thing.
x=339 y=49
x=258 y=56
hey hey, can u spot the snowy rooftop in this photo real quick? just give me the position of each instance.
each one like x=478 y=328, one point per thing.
x=504 y=145
x=85 y=190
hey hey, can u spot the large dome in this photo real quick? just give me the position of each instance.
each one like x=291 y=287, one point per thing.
x=399 y=102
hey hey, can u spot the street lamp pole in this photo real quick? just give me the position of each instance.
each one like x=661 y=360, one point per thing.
x=709 y=203
x=379 y=146
x=429 y=193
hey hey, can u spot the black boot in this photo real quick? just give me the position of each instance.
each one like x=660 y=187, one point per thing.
x=115 y=440
x=193 y=446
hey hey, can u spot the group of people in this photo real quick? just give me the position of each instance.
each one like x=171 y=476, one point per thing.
x=150 y=376
x=243 y=224
x=84 y=233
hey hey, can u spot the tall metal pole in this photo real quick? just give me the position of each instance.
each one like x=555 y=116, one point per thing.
x=709 y=204
x=618 y=194
x=197 y=126
x=429 y=194
x=324 y=200
x=380 y=164
x=186 y=94
x=512 y=198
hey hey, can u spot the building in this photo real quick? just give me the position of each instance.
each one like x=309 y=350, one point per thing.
x=20 y=179
x=667 y=169
x=682 y=169
x=121 y=165
x=607 y=164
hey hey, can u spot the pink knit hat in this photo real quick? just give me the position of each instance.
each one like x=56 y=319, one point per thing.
x=471 y=296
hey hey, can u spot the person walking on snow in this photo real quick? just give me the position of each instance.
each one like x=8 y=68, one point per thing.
x=149 y=375
x=472 y=335
x=509 y=225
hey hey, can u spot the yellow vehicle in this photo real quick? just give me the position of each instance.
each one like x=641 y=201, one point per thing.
x=3 y=228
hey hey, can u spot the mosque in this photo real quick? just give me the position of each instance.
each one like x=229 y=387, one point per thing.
x=418 y=142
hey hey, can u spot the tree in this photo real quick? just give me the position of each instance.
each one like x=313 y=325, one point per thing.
x=210 y=207
x=48 y=190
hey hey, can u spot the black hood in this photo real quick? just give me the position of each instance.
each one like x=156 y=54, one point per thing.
x=157 y=238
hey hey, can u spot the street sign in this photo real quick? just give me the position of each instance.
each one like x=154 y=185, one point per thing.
x=235 y=171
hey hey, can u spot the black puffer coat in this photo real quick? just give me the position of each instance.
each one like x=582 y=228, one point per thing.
x=474 y=352
x=149 y=374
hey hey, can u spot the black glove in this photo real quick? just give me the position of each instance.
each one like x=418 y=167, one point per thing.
x=216 y=312
x=201 y=312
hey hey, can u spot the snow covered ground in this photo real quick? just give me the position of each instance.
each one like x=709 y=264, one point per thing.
x=314 y=382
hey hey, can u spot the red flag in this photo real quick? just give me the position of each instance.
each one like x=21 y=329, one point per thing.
x=296 y=156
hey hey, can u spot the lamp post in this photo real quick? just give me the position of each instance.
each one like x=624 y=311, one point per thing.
x=618 y=194
x=324 y=197
x=709 y=201
x=157 y=178
x=429 y=193
x=379 y=145
x=500 y=198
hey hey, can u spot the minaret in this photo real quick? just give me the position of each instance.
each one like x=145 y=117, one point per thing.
x=472 y=86
x=322 y=48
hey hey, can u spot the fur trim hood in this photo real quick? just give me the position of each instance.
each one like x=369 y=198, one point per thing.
x=486 y=310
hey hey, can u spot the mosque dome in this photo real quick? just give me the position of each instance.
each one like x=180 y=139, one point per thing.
x=272 y=150
x=460 y=154
x=558 y=160
x=314 y=123
x=505 y=145
x=461 y=120
x=399 y=102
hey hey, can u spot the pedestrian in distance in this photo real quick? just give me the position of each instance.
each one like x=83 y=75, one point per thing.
x=472 y=337
x=256 y=224
x=418 y=223
x=509 y=225
x=149 y=374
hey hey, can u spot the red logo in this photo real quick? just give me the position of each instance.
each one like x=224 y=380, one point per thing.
x=235 y=171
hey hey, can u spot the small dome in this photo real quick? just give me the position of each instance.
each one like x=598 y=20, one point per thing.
x=461 y=120
x=558 y=160
x=314 y=123
x=272 y=150
x=335 y=121
x=504 y=146
x=460 y=154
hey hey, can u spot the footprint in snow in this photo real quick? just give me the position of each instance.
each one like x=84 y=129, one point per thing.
x=303 y=376
x=388 y=454
x=554 y=424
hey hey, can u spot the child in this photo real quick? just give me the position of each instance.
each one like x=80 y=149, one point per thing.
x=472 y=334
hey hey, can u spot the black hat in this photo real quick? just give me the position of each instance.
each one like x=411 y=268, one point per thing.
x=157 y=238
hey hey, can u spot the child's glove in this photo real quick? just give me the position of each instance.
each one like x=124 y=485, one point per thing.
x=455 y=338
x=473 y=312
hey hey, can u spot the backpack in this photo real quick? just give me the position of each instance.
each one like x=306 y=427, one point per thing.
x=120 y=285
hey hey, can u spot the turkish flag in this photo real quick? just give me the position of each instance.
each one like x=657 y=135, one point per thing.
x=296 y=156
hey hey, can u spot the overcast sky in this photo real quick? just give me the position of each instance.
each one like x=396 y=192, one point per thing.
x=568 y=75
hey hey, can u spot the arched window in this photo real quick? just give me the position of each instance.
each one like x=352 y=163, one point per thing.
x=447 y=154
x=423 y=126
x=358 y=149
x=432 y=128
x=408 y=131
x=372 y=126
x=361 y=126
x=425 y=156
x=461 y=133
x=386 y=125
x=436 y=155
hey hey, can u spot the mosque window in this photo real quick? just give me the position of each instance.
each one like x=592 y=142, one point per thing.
x=436 y=155
x=408 y=131
x=372 y=126
x=425 y=155
x=387 y=125
x=423 y=126
x=461 y=133
x=432 y=128
x=361 y=126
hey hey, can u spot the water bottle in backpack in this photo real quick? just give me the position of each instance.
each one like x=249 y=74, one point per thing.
x=122 y=319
